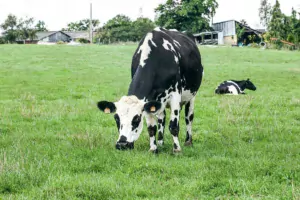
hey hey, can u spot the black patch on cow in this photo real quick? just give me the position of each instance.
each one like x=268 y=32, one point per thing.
x=175 y=146
x=174 y=127
x=176 y=112
x=187 y=121
x=187 y=136
x=191 y=117
x=160 y=121
x=152 y=130
x=159 y=126
x=160 y=135
x=117 y=119
x=187 y=109
x=102 y=105
x=136 y=122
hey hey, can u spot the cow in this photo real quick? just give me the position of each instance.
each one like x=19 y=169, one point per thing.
x=166 y=72
x=232 y=87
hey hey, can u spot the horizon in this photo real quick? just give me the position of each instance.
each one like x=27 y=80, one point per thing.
x=79 y=9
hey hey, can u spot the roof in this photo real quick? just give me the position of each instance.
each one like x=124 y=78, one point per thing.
x=248 y=28
x=206 y=33
x=224 y=21
x=79 y=34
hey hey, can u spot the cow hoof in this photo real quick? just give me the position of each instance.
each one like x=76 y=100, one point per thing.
x=188 y=143
x=160 y=142
x=154 y=151
x=176 y=151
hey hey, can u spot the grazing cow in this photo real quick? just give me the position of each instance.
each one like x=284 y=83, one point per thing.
x=233 y=87
x=166 y=72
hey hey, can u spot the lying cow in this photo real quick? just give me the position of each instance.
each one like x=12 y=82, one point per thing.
x=233 y=87
x=166 y=73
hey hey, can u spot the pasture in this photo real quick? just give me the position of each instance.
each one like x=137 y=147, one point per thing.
x=56 y=144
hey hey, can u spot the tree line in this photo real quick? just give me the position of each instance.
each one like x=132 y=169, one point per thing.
x=184 y=15
x=279 y=26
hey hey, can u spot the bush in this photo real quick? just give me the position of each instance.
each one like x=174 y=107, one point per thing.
x=2 y=40
x=82 y=40
x=278 y=44
x=60 y=42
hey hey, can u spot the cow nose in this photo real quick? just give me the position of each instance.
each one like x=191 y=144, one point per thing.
x=122 y=139
x=125 y=145
x=121 y=146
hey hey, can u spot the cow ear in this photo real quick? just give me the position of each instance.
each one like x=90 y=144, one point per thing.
x=106 y=107
x=248 y=79
x=152 y=106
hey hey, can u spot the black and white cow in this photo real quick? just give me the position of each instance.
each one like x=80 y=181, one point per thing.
x=166 y=73
x=233 y=87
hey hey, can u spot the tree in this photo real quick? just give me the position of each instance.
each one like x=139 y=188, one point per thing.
x=141 y=26
x=186 y=15
x=26 y=29
x=239 y=32
x=243 y=22
x=276 y=23
x=40 y=26
x=10 y=28
x=119 y=28
x=294 y=35
x=265 y=12
x=82 y=25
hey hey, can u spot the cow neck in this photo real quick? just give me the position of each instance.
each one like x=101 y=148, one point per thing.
x=241 y=84
x=142 y=85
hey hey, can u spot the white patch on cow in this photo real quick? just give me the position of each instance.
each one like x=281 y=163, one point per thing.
x=127 y=108
x=174 y=30
x=177 y=43
x=169 y=47
x=176 y=141
x=190 y=112
x=165 y=45
x=186 y=95
x=232 y=90
x=146 y=49
x=150 y=120
x=239 y=90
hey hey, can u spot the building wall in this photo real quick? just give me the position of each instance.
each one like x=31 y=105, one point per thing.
x=228 y=27
x=230 y=40
x=59 y=36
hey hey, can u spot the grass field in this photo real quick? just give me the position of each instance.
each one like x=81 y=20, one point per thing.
x=56 y=144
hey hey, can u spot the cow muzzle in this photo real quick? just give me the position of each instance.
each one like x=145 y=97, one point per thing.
x=124 y=145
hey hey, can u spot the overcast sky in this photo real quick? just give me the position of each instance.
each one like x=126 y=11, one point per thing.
x=57 y=13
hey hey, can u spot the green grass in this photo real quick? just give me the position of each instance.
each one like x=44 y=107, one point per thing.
x=56 y=144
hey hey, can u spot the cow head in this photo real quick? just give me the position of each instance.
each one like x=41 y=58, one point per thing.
x=250 y=85
x=128 y=114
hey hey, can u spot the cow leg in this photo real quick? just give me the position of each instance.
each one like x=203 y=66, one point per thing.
x=161 y=127
x=189 y=117
x=174 y=120
x=152 y=128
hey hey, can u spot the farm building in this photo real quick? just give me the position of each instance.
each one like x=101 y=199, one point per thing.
x=56 y=36
x=49 y=36
x=226 y=32
x=76 y=35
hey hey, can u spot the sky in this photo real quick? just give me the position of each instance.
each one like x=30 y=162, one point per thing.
x=58 y=13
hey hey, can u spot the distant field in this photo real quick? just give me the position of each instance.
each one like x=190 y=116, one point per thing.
x=56 y=144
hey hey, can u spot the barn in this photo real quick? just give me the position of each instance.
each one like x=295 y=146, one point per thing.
x=226 y=32
x=49 y=36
